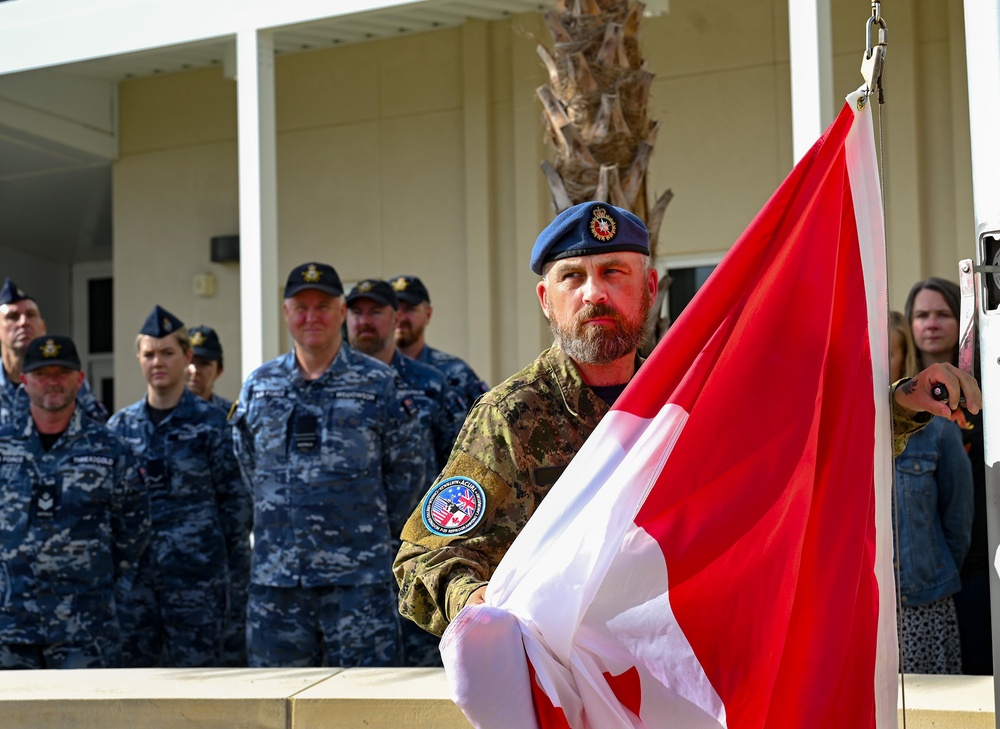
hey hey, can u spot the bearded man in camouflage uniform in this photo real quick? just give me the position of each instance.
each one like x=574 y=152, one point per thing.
x=74 y=519
x=20 y=322
x=371 y=317
x=595 y=290
x=331 y=448
x=413 y=316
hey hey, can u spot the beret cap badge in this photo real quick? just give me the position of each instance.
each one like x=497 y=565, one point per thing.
x=602 y=225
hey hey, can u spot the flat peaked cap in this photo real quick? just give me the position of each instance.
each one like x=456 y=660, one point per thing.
x=378 y=291
x=11 y=292
x=410 y=289
x=160 y=323
x=205 y=343
x=586 y=230
x=319 y=276
x=52 y=350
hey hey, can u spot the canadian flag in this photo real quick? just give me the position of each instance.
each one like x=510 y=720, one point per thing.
x=719 y=553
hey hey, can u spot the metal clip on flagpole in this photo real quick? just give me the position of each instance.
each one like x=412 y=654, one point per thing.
x=874 y=59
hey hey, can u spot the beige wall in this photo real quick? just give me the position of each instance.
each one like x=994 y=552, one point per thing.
x=420 y=155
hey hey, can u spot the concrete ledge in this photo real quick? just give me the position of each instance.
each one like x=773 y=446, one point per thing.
x=311 y=698
x=950 y=702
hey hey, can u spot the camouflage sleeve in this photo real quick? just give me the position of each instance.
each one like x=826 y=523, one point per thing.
x=131 y=520
x=436 y=574
x=405 y=465
x=91 y=406
x=233 y=499
x=903 y=426
x=243 y=446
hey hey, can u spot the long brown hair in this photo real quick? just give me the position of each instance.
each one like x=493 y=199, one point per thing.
x=898 y=324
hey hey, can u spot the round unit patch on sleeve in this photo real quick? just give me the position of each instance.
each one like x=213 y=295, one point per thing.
x=454 y=507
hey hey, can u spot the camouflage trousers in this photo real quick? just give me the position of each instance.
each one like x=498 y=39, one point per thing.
x=339 y=625
x=96 y=654
x=420 y=648
x=172 y=627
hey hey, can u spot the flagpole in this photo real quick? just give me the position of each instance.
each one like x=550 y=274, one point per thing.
x=982 y=41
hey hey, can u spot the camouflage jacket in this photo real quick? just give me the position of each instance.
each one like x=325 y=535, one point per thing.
x=201 y=508
x=14 y=398
x=222 y=403
x=441 y=410
x=73 y=521
x=460 y=375
x=514 y=444
x=333 y=463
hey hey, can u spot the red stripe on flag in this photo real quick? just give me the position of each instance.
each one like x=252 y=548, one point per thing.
x=764 y=509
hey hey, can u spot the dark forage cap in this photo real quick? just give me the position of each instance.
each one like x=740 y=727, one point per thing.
x=586 y=230
x=378 y=291
x=205 y=343
x=410 y=289
x=11 y=292
x=160 y=323
x=51 y=350
x=318 y=276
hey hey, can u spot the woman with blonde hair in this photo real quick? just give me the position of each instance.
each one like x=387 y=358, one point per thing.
x=933 y=523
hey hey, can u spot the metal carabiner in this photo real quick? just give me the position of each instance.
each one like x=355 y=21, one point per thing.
x=874 y=58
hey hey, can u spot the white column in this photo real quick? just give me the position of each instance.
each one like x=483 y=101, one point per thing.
x=982 y=49
x=811 y=61
x=258 y=198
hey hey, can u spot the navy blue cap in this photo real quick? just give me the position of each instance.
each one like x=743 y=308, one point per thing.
x=48 y=351
x=586 y=230
x=205 y=343
x=160 y=323
x=376 y=290
x=319 y=276
x=11 y=292
x=410 y=289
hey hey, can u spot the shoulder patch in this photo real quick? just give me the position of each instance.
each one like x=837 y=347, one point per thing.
x=453 y=507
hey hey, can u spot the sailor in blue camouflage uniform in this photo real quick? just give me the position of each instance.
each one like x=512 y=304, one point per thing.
x=176 y=613
x=206 y=366
x=371 y=319
x=20 y=322
x=372 y=308
x=414 y=315
x=203 y=371
x=331 y=448
x=74 y=519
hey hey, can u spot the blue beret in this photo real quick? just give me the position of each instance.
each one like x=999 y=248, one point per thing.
x=11 y=292
x=586 y=230
x=205 y=343
x=160 y=323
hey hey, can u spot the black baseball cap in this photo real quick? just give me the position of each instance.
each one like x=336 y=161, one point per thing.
x=375 y=289
x=51 y=350
x=319 y=276
x=410 y=289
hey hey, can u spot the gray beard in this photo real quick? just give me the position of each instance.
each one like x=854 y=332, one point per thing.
x=597 y=345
